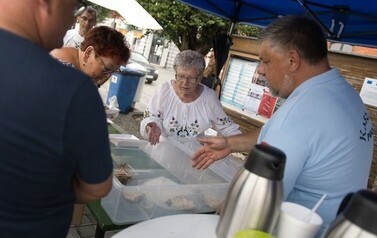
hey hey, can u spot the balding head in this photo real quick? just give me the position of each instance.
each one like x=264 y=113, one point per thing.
x=40 y=21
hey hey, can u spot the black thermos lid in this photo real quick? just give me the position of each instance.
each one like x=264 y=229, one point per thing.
x=362 y=210
x=266 y=161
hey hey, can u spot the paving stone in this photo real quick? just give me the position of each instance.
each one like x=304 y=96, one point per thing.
x=86 y=231
x=72 y=233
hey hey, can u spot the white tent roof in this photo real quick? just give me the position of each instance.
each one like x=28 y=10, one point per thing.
x=132 y=12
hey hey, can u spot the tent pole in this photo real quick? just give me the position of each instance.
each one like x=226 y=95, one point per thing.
x=233 y=19
x=231 y=28
x=327 y=31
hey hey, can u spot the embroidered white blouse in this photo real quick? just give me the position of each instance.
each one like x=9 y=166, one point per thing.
x=178 y=119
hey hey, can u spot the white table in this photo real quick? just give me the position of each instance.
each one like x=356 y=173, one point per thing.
x=175 y=226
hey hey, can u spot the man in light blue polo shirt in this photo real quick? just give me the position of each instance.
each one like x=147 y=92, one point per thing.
x=323 y=127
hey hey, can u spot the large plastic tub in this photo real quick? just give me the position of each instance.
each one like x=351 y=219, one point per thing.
x=164 y=183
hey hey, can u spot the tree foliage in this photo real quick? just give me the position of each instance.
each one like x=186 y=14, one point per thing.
x=246 y=30
x=102 y=12
x=187 y=27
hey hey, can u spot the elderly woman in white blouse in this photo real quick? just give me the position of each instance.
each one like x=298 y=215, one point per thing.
x=184 y=107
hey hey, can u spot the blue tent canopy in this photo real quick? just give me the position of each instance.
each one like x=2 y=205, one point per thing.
x=348 y=21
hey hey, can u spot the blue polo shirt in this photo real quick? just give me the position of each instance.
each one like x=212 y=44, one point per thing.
x=326 y=133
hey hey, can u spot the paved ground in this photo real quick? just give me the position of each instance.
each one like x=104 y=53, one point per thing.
x=130 y=123
x=87 y=228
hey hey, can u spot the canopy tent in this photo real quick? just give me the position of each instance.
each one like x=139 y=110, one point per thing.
x=349 y=21
x=132 y=12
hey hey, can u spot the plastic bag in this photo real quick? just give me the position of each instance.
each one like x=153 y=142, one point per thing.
x=112 y=109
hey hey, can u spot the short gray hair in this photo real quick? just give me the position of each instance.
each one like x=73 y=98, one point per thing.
x=299 y=33
x=189 y=59
x=88 y=9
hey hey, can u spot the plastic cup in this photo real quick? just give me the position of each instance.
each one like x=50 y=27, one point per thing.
x=291 y=222
x=252 y=234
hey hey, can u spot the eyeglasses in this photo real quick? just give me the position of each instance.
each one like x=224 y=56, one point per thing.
x=80 y=7
x=106 y=70
x=190 y=79
x=89 y=20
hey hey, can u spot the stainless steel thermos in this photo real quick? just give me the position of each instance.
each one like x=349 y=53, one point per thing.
x=255 y=194
x=357 y=217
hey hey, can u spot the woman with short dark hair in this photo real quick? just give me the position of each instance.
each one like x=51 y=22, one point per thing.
x=101 y=53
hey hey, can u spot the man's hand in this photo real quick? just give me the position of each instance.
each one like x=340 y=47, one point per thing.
x=153 y=132
x=214 y=148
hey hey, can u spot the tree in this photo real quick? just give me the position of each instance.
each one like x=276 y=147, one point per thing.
x=187 y=27
x=246 y=30
x=102 y=12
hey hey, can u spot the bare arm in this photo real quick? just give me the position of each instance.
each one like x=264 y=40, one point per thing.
x=86 y=192
x=216 y=148
x=66 y=54
x=243 y=142
x=153 y=132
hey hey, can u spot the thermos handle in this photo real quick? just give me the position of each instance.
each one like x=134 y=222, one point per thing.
x=344 y=203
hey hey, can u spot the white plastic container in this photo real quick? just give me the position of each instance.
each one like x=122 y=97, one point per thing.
x=164 y=183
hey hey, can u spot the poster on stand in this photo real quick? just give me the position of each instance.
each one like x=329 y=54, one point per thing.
x=368 y=92
x=246 y=91
x=267 y=105
x=238 y=79
x=253 y=99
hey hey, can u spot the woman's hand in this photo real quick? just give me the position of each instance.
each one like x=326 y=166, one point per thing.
x=214 y=148
x=153 y=132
